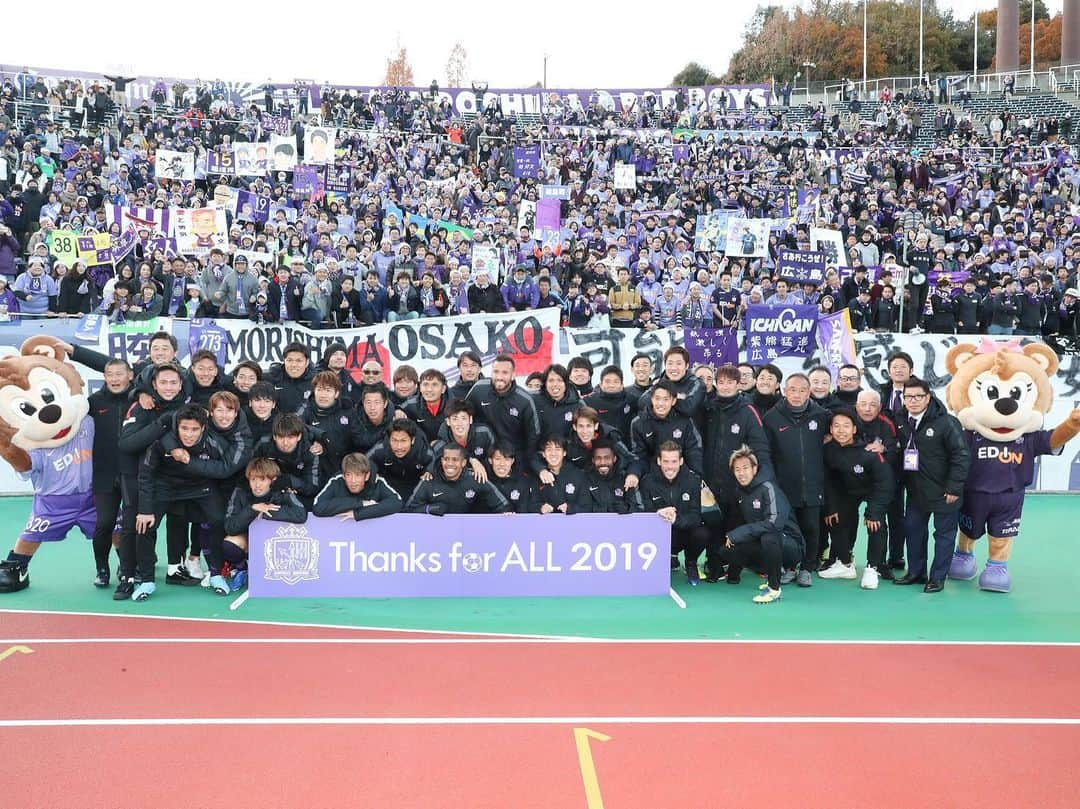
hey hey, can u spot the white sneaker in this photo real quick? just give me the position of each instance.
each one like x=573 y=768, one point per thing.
x=869 y=578
x=194 y=567
x=838 y=570
x=205 y=580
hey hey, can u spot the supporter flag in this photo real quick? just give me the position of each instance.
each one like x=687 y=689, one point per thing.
x=836 y=341
x=527 y=161
x=709 y=346
x=123 y=244
x=208 y=335
x=308 y=180
x=779 y=331
x=801 y=266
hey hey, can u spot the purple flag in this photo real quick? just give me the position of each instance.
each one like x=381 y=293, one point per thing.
x=208 y=335
x=527 y=161
x=713 y=347
x=462 y=555
x=779 y=331
x=837 y=343
x=251 y=207
x=69 y=149
x=680 y=152
x=124 y=243
x=306 y=180
x=801 y=266
x=221 y=161
x=338 y=178
x=547 y=214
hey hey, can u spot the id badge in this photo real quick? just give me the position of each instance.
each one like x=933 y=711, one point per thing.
x=911 y=460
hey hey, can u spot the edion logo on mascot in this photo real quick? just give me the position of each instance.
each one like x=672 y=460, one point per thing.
x=1000 y=393
x=45 y=435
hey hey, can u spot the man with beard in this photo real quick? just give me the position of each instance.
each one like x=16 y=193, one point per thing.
x=605 y=482
x=508 y=410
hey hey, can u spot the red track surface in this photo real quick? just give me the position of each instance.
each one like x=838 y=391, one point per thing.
x=512 y=767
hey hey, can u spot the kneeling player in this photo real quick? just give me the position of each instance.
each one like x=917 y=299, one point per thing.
x=357 y=493
x=260 y=497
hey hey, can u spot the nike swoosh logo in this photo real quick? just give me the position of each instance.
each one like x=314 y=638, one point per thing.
x=24 y=575
x=648 y=435
x=485 y=404
x=593 y=488
x=782 y=429
x=656 y=498
x=436 y=494
x=103 y=412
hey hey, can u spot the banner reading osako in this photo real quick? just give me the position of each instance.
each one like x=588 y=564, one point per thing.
x=530 y=337
x=416 y=556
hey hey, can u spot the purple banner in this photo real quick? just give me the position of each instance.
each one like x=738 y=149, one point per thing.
x=221 y=161
x=779 y=331
x=252 y=207
x=801 y=266
x=306 y=180
x=547 y=215
x=415 y=555
x=527 y=161
x=837 y=341
x=713 y=347
x=338 y=178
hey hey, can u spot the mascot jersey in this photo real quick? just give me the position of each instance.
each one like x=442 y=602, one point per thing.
x=66 y=469
x=1005 y=466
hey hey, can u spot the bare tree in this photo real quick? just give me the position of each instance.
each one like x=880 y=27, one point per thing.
x=457 y=66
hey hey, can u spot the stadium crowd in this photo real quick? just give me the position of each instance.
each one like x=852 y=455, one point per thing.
x=976 y=235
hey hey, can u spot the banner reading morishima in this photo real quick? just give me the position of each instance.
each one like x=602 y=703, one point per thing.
x=801 y=266
x=416 y=556
x=779 y=331
x=530 y=337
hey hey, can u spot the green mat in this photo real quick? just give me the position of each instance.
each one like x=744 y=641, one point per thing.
x=1041 y=607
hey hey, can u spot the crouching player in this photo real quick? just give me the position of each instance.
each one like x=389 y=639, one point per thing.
x=261 y=497
x=357 y=493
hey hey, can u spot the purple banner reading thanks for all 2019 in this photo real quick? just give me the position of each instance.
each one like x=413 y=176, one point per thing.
x=416 y=556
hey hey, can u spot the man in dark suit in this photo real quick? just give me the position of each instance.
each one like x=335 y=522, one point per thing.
x=935 y=460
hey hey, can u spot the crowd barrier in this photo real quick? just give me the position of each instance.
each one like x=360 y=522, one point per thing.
x=533 y=337
x=416 y=555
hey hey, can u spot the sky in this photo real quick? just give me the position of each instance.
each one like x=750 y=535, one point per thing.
x=596 y=48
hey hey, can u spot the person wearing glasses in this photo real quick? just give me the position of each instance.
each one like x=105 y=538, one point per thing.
x=934 y=461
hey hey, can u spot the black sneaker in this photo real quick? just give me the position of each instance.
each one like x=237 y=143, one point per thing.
x=124 y=590
x=182 y=577
x=13 y=577
x=896 y=564
x=102 y=577
x=885 y=572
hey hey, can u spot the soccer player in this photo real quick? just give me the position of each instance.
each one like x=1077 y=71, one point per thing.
x=357 y=493
x=453 y=490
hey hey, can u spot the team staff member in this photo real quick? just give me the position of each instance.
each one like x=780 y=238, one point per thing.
x=673 y=491
x=796 y=428
x=935 y=462
x=453 y=490
x=879 y=431
x=108 y=408
x=854 y=475
x=260 y=496
x=509 y=411
x=357 y=493
x=141 y=428
x=402 y=457
x=177 y=488
x=562 y=485
x=606 y=482
x=769 y=538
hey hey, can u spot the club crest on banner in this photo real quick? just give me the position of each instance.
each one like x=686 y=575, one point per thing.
x=292 y=556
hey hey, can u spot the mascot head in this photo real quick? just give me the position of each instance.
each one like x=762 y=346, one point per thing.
x=1000 y=390
x=42 y=404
